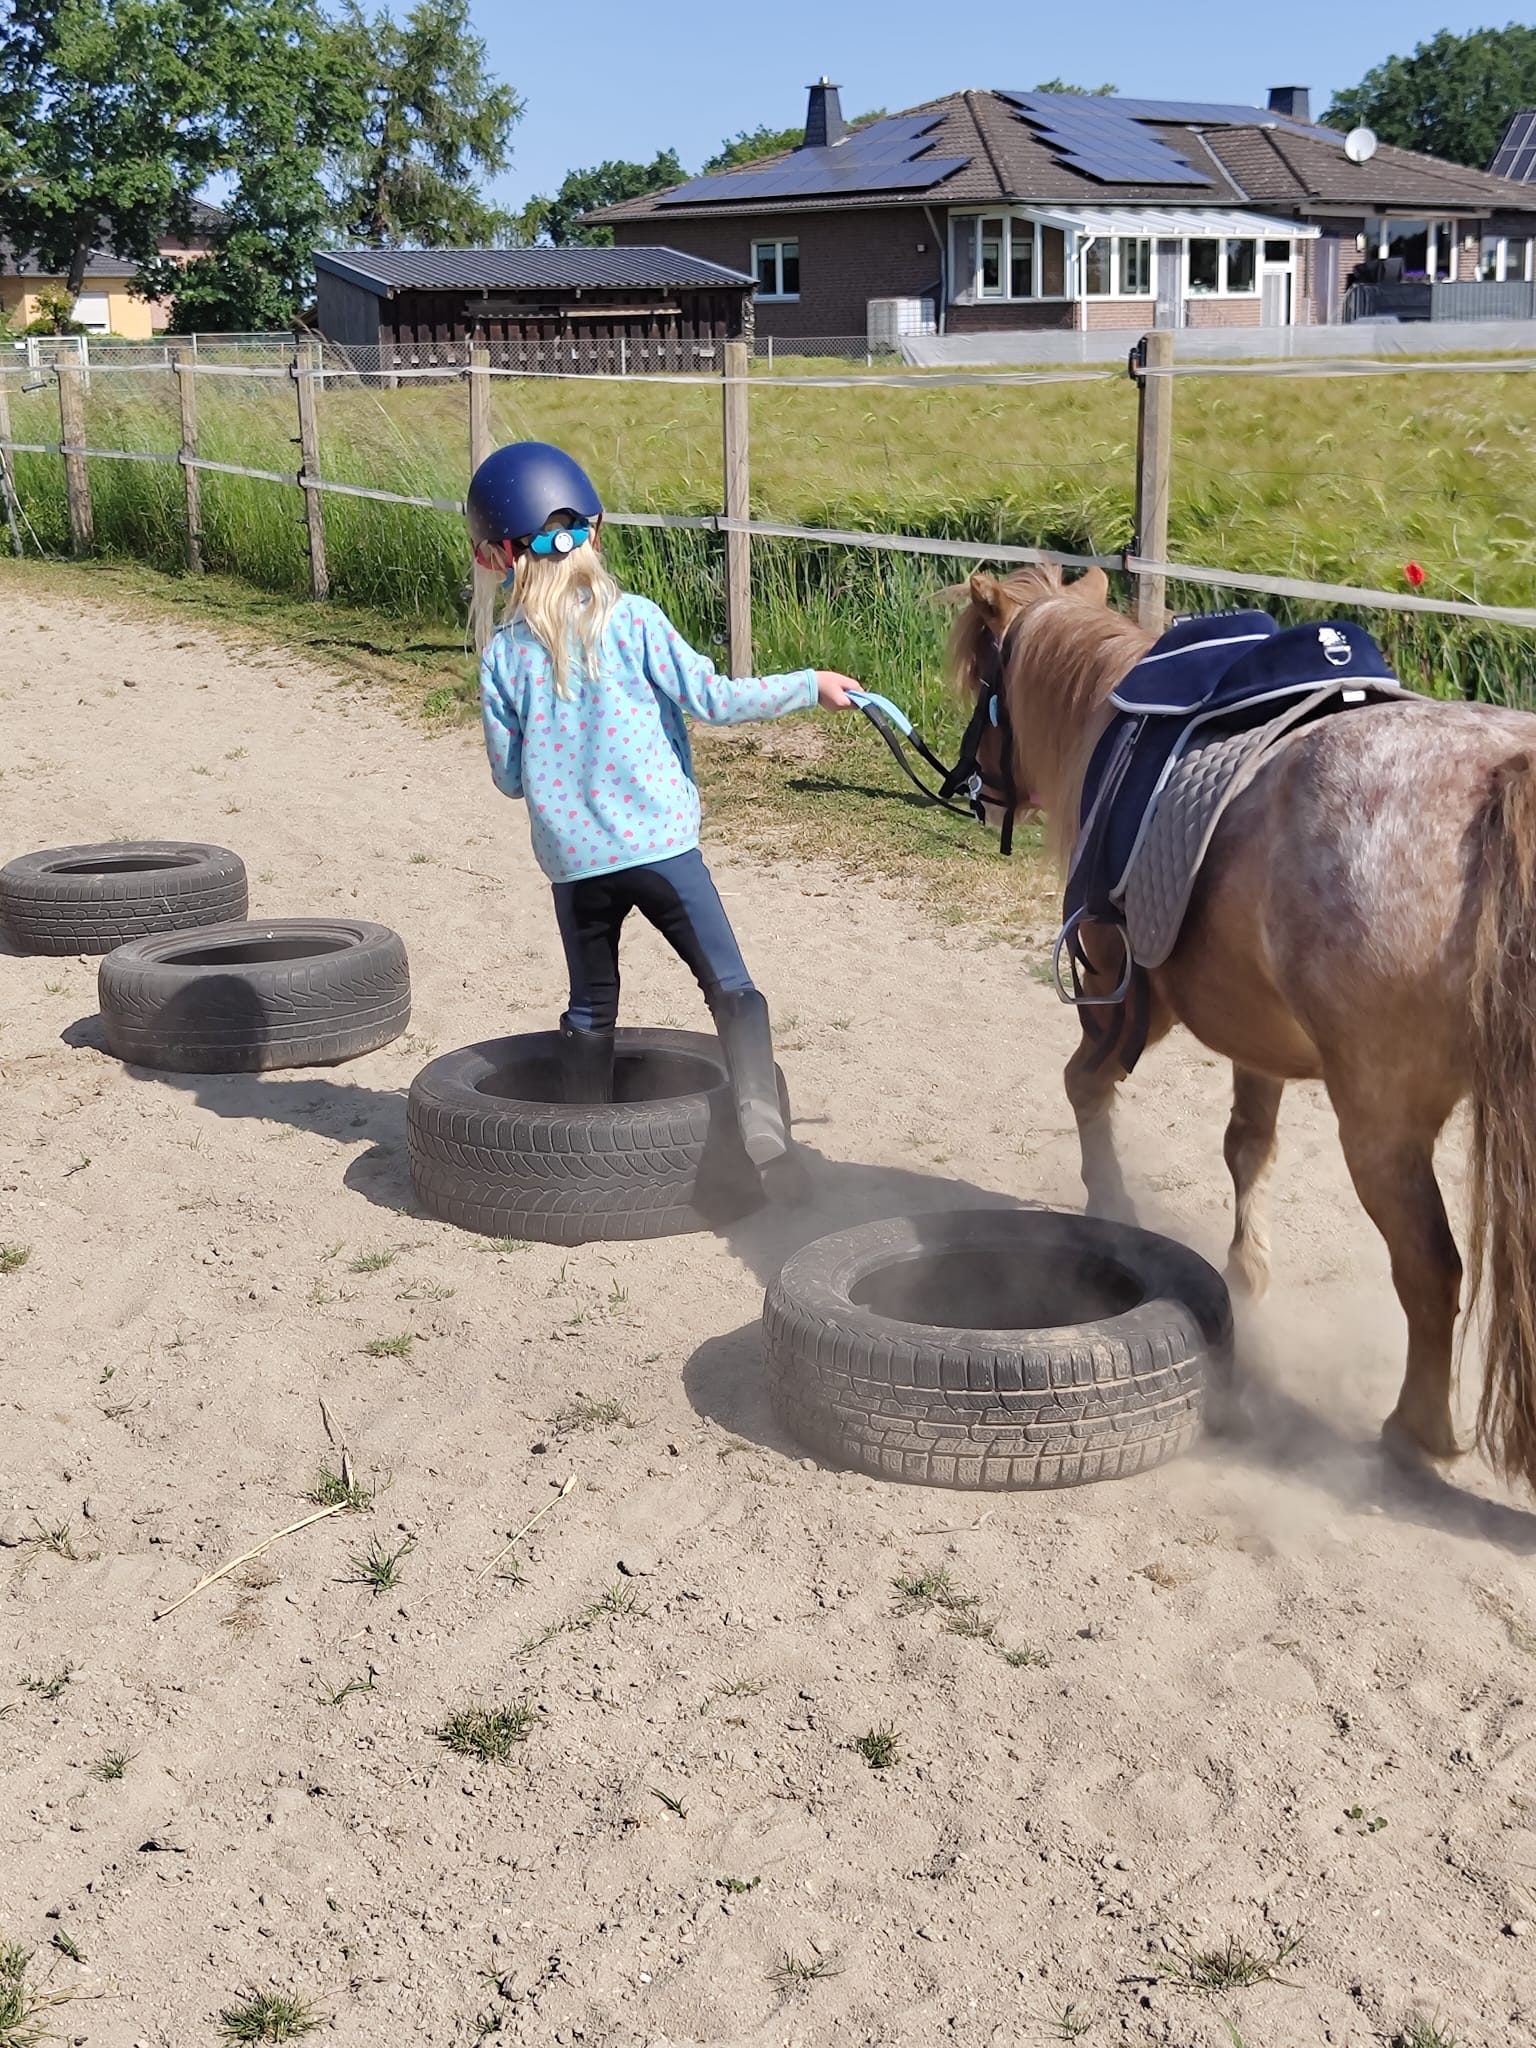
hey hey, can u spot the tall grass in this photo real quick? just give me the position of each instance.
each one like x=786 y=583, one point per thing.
x=1341 y=481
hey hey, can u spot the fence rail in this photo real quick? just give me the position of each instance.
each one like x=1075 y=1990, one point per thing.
x=310 y=368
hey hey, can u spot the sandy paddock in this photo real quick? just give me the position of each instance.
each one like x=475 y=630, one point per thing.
x=1243 y=1649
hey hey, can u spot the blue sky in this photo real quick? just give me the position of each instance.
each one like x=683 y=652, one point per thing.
x=624 y=78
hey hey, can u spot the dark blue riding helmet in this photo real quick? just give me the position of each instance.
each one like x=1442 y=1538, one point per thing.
x=518 y=490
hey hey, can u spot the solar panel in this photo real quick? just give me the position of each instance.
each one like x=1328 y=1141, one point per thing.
x=1516 y=154
x=1098 y=137
x=887 y=156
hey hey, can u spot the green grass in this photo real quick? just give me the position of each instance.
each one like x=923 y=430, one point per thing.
x=378 y=1568
x=371 y=1262
x=398 y=1346
x=24 y=2004
x=491 y=1735
x=333 y=1489
x=880 y=1748
x=112 y=1766
x=1340 y=480
x=268 y=2016
x=1232 y=1967
x=13 y=1257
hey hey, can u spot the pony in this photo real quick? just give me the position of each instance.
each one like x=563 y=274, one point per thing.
x=1365 y=917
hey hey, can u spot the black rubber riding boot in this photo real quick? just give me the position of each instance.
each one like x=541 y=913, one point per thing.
x=586 y=1063
x=741 y=1018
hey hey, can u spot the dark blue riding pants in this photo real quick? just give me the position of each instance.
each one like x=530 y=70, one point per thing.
x=679 y=898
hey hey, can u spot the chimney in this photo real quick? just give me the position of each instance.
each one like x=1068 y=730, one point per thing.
x=823 y=116
x=1295 y=101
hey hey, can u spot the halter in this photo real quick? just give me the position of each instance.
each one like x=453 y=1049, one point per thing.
x=965 y=780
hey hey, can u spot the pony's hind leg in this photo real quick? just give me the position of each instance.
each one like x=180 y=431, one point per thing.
x=1393 y=1169
x=1250 y=1153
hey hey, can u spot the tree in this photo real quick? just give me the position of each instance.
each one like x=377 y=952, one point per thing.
x=558 y=220
x=435 y=121
x=750 y=145
x=1451 y=98
x=1087 y=92
x=109 y=114
x=293 y=93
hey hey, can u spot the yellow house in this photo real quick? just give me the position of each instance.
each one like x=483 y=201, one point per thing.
x=103 y=307
x=105 y=304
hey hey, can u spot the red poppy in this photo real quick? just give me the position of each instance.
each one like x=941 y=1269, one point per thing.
x=1414 y=575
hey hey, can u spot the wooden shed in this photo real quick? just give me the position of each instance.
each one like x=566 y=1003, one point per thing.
x=612 y=310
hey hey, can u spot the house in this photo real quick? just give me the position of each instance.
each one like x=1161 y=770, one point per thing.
x=635 y=308
x=105 y=304
x=988 y=210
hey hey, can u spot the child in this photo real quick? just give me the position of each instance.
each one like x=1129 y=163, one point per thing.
x=582 y=694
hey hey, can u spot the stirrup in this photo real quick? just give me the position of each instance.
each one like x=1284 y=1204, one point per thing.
x=1074 y=996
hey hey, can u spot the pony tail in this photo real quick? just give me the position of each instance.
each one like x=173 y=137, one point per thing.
x=1503 y=1048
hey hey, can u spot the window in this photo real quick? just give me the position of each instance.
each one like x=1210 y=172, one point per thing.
x=1053 y=263
x=1227 y=266
x=990 y=282
x=777 y=266
x=1135 y=268
x=1205 y=266
x=1098 y=268
x=1277 y=252
x=1506 y=259
x=1021 y=263
x=1003 y=256
x=1426 y=249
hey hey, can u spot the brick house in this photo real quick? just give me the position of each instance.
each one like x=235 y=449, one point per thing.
x=989 y=210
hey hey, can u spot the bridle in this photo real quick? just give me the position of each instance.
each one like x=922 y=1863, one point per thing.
x=965 y=780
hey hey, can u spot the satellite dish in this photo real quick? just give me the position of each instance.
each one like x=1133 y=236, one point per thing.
x=1360 y=145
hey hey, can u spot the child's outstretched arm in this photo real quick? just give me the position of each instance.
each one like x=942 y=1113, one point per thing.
x=502 y=727
x=691 y=680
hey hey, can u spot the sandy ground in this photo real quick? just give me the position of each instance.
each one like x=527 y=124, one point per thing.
x=1287 y=1688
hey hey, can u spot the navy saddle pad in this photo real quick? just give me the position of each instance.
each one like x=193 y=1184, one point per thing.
x=1223 y=672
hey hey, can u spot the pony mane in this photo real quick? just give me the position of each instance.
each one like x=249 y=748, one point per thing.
x=1066 y=653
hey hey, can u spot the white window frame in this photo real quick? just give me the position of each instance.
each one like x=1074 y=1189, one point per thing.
x=1117 y=285
x=970 y=293
x=1521 y=276
x=1223 y=291
x=778 y=244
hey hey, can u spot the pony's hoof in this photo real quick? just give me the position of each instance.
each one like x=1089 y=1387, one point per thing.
x=1416 y=1447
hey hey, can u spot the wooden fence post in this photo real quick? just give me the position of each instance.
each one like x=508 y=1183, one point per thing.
x=185 y=368
x=77 y=480
x=482 y=604
x=8 y=474
x=1154 y=461
x=304 y=373
x=738 y=546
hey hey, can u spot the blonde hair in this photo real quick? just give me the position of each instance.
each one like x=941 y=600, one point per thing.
x=565 y=601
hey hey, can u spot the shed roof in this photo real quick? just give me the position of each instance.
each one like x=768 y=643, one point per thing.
x=387 y=271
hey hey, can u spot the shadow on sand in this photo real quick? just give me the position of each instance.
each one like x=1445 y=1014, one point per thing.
x=1264 y=1429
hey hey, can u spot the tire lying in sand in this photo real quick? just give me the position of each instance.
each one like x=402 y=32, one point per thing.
x=89 y=899
x=995 y=1348
x=242 y=998
x=495 y=1148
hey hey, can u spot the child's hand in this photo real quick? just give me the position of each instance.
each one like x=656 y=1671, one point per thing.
x=832 y=690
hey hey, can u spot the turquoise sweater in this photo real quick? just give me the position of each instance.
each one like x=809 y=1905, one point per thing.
x=608 y=772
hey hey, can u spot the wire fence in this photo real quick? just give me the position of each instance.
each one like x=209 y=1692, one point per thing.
x=1000 y=466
